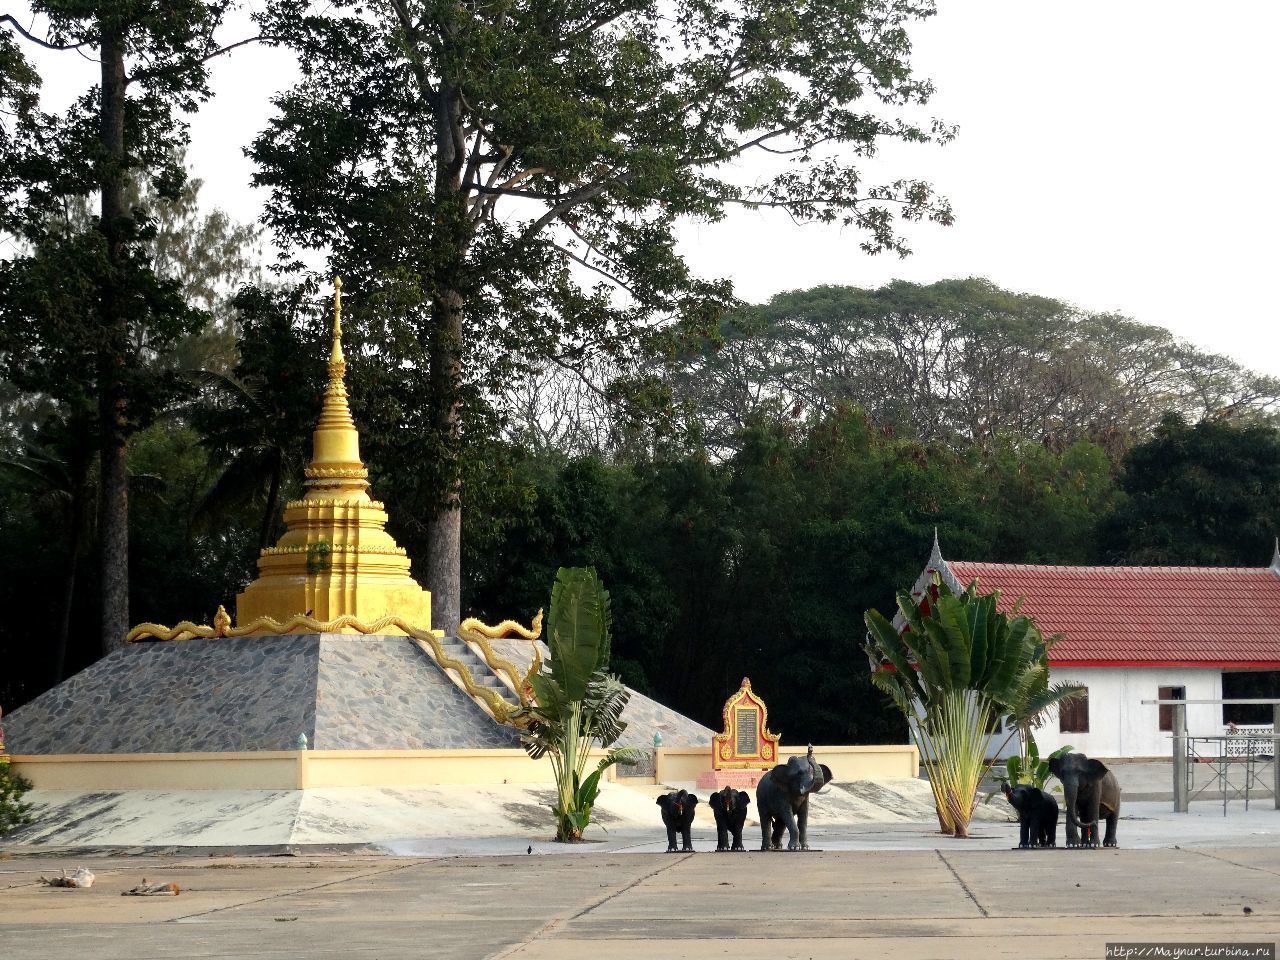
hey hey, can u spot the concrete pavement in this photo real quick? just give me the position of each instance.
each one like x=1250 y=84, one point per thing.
x=955 y=900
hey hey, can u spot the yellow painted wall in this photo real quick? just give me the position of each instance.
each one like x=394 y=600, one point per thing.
x=679 y=764
x=880 y=762
x=288 y=770
x=174 y=771
x=405 y=768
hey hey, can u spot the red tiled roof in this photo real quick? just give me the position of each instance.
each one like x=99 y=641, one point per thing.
x=1144 y=616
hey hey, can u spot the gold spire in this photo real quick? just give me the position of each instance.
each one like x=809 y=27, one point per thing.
x=336 y=471
x=336 y=558
x=335 y=354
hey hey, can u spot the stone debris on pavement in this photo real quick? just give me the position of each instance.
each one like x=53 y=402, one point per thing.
x=79 y=879
x=145 y=889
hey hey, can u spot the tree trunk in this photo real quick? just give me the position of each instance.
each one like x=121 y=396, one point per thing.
x=444 y=545
x=69 y=577
x=269 y=511
x=113 y=502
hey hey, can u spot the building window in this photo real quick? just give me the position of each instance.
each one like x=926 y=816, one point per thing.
x=1166 y=709
x=1073 y=715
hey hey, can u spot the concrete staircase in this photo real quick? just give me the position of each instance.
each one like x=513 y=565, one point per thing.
x=481 y=673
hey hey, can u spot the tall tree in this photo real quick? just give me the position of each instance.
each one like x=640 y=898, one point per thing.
x=961 y=361
x=474 y=168
x=1203 y=494
x=111 y=305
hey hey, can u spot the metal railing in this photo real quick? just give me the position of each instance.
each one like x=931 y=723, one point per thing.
x=1181 y=786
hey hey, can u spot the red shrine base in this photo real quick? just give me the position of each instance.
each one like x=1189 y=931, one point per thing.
x=739 y=779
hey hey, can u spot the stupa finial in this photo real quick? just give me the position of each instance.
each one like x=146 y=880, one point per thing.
x=336 y=472
x=337 y=316
x=337 y=362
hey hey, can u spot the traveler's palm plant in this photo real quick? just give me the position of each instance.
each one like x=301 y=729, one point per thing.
x=958 y=667
x=577 y=702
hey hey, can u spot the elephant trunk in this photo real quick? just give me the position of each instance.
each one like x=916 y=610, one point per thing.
x=1070 y=793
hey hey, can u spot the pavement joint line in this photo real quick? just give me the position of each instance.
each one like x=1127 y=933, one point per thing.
x=290 y=893
x=963 y=886
x=634 y=883
x=555 y=922
x=1243 y=866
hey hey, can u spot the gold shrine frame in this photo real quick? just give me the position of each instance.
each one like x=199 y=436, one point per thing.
x=746 y=743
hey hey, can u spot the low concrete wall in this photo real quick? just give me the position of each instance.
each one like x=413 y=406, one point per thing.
x=879 y=762
x=267 y=770
x=299 y=769
x=285 y=770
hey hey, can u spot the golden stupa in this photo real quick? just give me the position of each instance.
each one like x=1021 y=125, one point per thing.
x=336 y=558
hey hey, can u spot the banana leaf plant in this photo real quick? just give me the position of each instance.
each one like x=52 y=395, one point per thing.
x=1029 y=767
x=958 y=667
x=577 y=703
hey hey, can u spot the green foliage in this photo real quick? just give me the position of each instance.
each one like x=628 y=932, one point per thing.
x=83 y=312
x=957 y=666
x=1203 y=494
x=1029 y=767
x=738 y=553
x=961 y=362
x=182 y=571
x=578 y=703
x=14 y=812
x=502 y=184
x=256 y=421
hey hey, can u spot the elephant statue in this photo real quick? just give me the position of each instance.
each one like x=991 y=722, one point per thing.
x=1037 y=815
x=677 y=814
x=782 y=801
x=1090 y=791
x=730 y=808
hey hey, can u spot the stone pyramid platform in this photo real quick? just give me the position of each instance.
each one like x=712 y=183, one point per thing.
x=345 y=692
x=244 y=694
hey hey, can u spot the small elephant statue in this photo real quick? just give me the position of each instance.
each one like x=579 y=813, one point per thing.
x=730 y=807
x=1037 y=815
x=782 y=801
x=1091 y=792
x=677 y=814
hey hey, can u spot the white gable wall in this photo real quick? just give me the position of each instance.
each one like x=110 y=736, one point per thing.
x=1120 y=725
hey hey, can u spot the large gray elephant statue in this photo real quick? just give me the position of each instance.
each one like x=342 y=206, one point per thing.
x=782 y=801
x=1091 y=792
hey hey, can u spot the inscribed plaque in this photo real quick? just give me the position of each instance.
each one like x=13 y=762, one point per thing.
x=747 y=718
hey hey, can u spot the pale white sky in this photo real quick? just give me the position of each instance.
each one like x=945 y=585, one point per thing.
x=1118 y=154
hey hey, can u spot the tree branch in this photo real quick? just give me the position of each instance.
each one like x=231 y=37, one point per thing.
x=411 y=54
x=597 y=269
x=581 y=195
x=145 y=75
x=11 y=19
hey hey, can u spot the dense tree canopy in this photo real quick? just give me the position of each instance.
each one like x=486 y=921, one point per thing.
x=1203 y=494
x=84 y=308
x=758 y=560
x=502 y=182
x=539 y=379
x=965 y=362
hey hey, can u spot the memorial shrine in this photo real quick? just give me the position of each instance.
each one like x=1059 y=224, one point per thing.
x=331 y=652
x=329 y=677
x=335 y=558
x=746 y=749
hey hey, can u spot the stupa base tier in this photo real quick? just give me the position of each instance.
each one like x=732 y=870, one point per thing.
x=327 y=599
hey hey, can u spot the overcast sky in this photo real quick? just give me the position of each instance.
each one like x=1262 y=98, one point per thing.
x=1118 y=154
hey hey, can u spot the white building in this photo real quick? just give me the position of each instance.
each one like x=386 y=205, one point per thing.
x=1131 y=634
